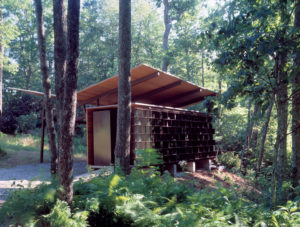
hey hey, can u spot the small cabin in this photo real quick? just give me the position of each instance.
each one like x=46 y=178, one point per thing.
x=158 y=119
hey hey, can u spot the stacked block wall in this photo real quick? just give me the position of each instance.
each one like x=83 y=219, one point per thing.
x=176 y=134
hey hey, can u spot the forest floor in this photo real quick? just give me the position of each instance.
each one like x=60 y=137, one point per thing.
x=203 y=179
x=30 y=175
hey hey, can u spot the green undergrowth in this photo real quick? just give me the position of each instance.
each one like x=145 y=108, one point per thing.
x=27 y=142
x=143 y=198
x=32 y=142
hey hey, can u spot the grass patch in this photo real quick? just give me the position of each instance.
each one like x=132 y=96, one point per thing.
x=2 y=153
x=28 y=142
x=25 y=149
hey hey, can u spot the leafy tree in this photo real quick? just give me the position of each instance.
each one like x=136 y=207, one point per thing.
x=254 y=45
x=173 y=10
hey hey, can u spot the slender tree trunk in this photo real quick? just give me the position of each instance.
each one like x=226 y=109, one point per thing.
x=122 y=149
x=219 y=104
x=296 y=104
x=28 y=77
x=60 y=47
x=168 y=27
x=70 y=102
x=274 y=185
x=202 y=67
x=1 y=63
x=264 y=135
x=1 y=74
x=282 y=117
x=46 y=85
x=250 y=125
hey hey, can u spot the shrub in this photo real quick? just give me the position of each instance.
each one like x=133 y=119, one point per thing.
x=60 y=215
x=16 y=106
x=26 y=122
x=141 y=199
x=229 y=160
x=27 y=206
x=2 y=153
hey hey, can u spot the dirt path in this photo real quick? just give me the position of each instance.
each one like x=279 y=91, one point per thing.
x=30 y=175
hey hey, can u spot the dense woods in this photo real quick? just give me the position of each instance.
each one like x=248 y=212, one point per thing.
x=248 y=51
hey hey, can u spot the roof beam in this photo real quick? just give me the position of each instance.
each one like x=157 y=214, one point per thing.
x=115 y=90
x=179 y=97
x=30 y=92
x=158 y=90
x=190 y=102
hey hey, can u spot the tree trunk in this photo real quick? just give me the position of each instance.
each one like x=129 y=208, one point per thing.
x=60 y=47
x=122 y=148
x=282 y=117
x=1 y=64
x=202 y=67
x=1 y=75
x=274 y=186
x=168 y=27
x=250 y=125
x=70 y=102
x=46 y=85
x=264 y=135
x=296 y=104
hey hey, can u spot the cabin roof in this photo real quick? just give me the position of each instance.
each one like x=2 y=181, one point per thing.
x=148 y=85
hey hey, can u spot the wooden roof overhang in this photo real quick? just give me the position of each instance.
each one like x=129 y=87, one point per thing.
x=149 y=86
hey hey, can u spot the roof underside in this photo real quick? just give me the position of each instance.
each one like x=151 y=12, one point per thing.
x=148 y=85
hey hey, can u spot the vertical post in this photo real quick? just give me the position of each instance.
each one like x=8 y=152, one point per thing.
x=43 y=135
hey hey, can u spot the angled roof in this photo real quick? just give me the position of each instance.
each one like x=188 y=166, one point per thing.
x=149 y=86
x=30 y=92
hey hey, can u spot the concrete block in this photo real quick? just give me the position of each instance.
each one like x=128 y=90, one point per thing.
x=203 y=164
x=191 y=167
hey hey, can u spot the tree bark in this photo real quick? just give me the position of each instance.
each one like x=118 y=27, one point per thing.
x=202 y=67
x=122 y=148
x=60 y=47
x=282 y=102
x=264 y=135
x=250 y=125
x=70 y=102
x=46 y=86
x=1 y=65
x=282 y=117
x=168 y=27
x=296 y=104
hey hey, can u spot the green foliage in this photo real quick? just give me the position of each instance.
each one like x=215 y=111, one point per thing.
x=80 y=141
x=26 y=122
x=2 y=153
x=147 y=157
x=60 y=215
x=229 y=160
x=28 y=142
x=16 y=106
x=26 y=206
x=141 y=199
x=288 y=214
